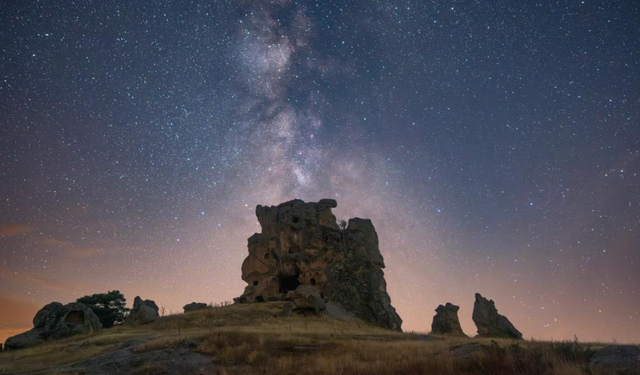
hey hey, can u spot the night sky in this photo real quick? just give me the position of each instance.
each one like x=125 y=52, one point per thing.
x=494 y=144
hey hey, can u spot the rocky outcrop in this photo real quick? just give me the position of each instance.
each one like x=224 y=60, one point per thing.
x=490 y=323
x=56 y=321
x=306 y=297
x=194 y=306
x=143 y=312
x=623 y=359
x=446 y=322
x=301 y=244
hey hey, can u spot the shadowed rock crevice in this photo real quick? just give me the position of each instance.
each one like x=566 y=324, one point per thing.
x=302 y=245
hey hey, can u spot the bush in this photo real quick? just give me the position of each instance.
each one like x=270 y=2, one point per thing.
x=110 y=307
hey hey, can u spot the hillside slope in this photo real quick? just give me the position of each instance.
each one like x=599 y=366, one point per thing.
x=254 y=339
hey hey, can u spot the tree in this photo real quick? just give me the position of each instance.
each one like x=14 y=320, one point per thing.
x=110 y=307
x=343 y=225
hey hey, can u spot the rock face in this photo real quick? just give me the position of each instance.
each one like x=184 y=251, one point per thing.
x=301 y=244
x=56 y=321
x=194 y=306
x=490 y=323
x=143 y=312
x=619 y=358
x=306 y=297
x=446 y=322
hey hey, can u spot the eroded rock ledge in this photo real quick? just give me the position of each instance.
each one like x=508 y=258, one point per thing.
x=301 y=244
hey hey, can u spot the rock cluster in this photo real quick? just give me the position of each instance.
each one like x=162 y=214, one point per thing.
x=490 y=323
x=143 y=312
x=194 y=306
x=55 y=321
x=301 y=244
x=446 y=322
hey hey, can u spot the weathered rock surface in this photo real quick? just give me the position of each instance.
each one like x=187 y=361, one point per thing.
x=143 y=312
x=301 y=244
x=195 y=306
x=306 y=297
x=490 y=323
x=178 y=360
x=56 y=321
x=40 y=318
x=619 y=358
x=467 y=351
x=446 y=322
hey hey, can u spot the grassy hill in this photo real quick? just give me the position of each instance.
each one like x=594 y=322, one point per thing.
x=253 y=339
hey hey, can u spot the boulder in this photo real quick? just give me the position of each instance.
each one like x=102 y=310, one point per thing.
x=56 y=321
x=301 y=244
x=194 y=306
x=27 y=339
x=306 y=297
x=39 y=319
x=490 y=323
x=143 y=312
x=617 y=358
x=446 y=322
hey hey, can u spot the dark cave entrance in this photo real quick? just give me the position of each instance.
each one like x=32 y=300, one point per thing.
x=259 y=299
x=74 y=317
x=289 y=283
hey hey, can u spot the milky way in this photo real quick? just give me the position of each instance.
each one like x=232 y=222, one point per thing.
x=495 y=146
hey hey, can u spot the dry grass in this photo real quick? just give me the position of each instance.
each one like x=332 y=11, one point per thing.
x=249 y=339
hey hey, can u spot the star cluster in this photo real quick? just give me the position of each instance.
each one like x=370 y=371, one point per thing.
x=495 y=145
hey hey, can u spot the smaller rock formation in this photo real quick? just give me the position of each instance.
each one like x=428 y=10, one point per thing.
x=56 y=321
x=306 y=297
x=143 y=312
x=490 y=323
x=194 y=306
x=619 y=358
x=446 y=322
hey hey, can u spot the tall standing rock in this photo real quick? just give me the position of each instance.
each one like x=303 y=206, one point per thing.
x=490 y=323
x=143 y=312
x=301 y=244
x=446 y=321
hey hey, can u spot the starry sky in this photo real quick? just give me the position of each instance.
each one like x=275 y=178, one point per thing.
x=494 y=144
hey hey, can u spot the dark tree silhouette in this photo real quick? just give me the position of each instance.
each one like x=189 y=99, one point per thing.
x=110 y=307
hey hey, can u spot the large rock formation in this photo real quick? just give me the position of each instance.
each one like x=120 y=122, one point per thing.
x=301 y=244
x=55 y=321
x=446 y=322
x=490 y=323
x=143 y=312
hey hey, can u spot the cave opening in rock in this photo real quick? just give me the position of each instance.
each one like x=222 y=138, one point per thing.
x=255 y=282
x=313 y=281
x=74 y=317
x=289 y=283
x=259 y=299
